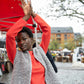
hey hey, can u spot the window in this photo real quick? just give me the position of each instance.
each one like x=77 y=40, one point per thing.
x=58 y=35
x=58 y=30
x=65 y=37
x=68 y=35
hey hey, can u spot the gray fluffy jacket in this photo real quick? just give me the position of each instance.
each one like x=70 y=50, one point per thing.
x=23 y=67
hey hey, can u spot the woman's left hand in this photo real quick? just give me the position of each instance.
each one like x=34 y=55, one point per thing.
x=26 y=7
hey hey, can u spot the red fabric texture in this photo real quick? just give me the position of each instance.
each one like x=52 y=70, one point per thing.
x=10 y=8
x=10 y=13
x=37 y=76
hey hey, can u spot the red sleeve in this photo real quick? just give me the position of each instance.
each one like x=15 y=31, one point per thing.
x=46 y=32
x=10 y=38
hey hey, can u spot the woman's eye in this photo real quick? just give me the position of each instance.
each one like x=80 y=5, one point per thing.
x=18 y=40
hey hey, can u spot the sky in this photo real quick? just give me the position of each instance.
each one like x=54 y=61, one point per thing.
x=41 y=7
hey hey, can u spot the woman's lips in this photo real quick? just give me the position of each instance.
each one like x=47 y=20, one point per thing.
x=24 y=46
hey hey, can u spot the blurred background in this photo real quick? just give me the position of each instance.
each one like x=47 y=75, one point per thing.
x=66 y=18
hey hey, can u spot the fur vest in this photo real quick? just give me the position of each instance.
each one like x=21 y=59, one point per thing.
x=23 y=67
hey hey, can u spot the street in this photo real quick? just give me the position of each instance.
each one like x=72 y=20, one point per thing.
x=67 y=74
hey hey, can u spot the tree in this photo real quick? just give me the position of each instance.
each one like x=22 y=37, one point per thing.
x=71 y=8
x=81 y=1
x=69 y=44
x=54 y=45
x=61 y=8
x=78 y=40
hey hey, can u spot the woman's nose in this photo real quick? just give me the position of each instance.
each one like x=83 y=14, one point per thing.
x=21 y=42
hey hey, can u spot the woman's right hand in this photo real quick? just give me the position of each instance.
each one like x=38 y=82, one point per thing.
x=26 y=8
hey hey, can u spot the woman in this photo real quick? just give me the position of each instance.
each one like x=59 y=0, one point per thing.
x=31 y=66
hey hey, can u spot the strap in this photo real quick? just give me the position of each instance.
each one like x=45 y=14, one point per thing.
x=35 y=25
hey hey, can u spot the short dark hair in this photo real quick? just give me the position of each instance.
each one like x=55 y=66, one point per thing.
x=28 y=31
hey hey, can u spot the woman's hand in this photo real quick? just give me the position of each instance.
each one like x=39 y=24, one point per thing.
x=26 y=8
x=33 y=14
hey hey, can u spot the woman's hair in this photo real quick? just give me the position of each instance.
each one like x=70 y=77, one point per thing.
x=28 y=31
x=34 y=45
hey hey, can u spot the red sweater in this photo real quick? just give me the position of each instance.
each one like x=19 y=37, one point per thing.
x=38 y=71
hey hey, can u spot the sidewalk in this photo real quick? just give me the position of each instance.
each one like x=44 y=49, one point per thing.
x=67 y=74
x=69 y=66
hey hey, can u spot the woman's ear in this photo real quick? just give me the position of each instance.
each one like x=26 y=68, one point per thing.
x=32 y=40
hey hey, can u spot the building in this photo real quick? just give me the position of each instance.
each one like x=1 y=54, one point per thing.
x=62 y=34
x=78 y=39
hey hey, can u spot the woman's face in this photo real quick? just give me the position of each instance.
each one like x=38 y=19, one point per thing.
x=24 y=41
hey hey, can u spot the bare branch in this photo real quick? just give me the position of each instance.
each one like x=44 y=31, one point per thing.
x=81 y=1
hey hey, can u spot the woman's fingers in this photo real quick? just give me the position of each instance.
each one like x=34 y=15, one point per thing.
x=29 y=2
x=26 y=7
x=20 y=5
x=23 y=2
